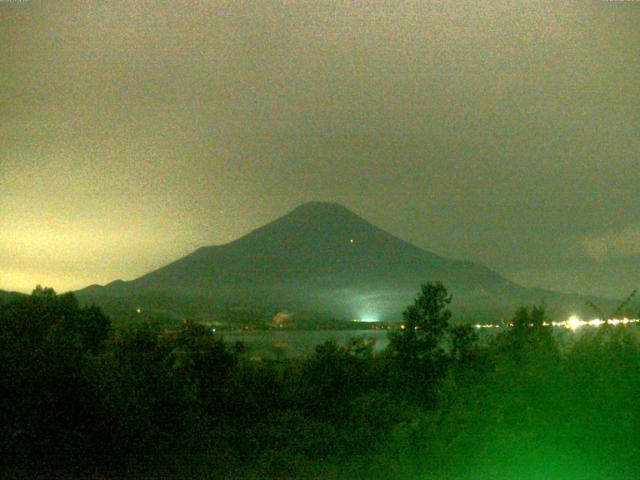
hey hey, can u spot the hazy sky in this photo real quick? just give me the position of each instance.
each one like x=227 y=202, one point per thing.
x=504 y=132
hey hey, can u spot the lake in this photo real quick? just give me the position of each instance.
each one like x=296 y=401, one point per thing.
x=293 y=343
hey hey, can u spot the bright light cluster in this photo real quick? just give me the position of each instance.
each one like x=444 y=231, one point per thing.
x=366 y=320
x=572 y=323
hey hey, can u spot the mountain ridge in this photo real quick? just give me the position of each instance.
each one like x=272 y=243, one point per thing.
x=321 y=257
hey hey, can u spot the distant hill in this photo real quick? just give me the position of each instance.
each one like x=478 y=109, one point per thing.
x=7 y=296
x=321 y=258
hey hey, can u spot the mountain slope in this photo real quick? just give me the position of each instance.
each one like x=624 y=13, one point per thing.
x=320 y=257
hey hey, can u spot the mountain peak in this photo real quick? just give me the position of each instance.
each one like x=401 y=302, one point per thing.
x=314 y=210
x=312 y=217
x=316 y=205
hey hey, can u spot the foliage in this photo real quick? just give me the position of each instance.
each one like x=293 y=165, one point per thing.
x=464 y=343
x=529 y=341
x=46 y=341
x=417 y=346
x=425 y=323
x=146 y=401
x=336 y=374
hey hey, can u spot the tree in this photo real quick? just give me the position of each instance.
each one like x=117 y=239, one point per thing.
x=425 y=323
x=464 y=340
x=416 y=345
x=203 y=363
x=530 y=340
x=46 y=343
x=337 y=373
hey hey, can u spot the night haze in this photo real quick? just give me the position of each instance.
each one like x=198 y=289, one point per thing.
x=338 y=240
x=501 y=133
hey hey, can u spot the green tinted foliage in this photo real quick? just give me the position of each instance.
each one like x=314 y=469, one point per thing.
x=202 y=363
x=417 y=347
x=529 y=342
x=464 y=343
x=136 y=390
x=425 y=323
x=156 y=385
x=152 y=402
x=46 y=343
x=334 y=374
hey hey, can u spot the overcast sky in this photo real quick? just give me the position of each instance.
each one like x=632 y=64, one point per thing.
x=503 y=132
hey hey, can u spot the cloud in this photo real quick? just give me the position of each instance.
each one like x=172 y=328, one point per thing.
x=491 y=131
x=622 y=243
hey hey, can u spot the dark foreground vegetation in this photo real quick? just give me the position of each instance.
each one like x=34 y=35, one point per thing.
x=80 y=400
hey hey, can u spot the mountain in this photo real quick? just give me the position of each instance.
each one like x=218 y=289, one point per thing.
x=319 y=258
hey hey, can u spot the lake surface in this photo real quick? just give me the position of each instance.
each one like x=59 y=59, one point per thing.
x=293 y=343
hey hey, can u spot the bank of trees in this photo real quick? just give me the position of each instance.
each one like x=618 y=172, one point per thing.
x=80 y=398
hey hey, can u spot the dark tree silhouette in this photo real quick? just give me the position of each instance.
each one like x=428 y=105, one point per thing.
x=464 y=340
x=416 y=346
x=530 y=341
x=46 y=341
x=425 y=323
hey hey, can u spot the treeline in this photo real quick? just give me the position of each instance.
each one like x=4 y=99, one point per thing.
x=80 y=399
